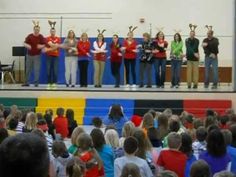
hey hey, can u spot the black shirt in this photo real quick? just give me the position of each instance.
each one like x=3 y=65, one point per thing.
x=212 y=46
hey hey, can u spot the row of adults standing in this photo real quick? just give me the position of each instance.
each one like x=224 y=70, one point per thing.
x=153 y=52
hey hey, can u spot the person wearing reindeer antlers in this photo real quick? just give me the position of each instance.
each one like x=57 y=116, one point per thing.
x=130 y=55
x=99 y=58
x=52 y=55
x=192 y=55
x=34 y=43
x=210 y=47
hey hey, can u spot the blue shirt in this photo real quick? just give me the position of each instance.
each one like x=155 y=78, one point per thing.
x=232 y=153
x=189 y=163
x=107 y=156
x=117 y=123
x=216 y=164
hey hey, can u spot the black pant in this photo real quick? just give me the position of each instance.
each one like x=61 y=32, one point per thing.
x=130 y=63
x=83 y=71
x=115 y=70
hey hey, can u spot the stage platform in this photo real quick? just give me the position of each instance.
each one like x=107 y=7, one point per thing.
x=223 y=88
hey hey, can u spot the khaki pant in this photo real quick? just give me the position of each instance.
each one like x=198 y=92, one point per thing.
x=98 y=71
x=192 y=72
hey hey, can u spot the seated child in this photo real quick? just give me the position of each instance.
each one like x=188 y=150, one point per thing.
x=172 y=159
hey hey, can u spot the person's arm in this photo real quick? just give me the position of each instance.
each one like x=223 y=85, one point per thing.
x=229 y=166
x=147 y=170
x=27 y=43
x=117 y=169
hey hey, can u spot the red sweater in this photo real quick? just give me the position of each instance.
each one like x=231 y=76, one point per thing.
x=115 y=50
x=162 y=50
x=129 y=54
x=173 y=160
x=54 y=40
x=83 y=48
x=33 y=41
x=61 y=125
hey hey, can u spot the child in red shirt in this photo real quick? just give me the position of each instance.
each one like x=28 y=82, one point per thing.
x=172 y=159
x=88 y=155
x=61 y=123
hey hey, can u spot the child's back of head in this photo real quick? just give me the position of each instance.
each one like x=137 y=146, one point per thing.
x=174 y=140
x=130 y=145
x=97 y=122
x=201 y=134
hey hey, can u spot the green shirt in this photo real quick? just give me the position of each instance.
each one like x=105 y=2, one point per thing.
x=176 y=48
x=72 y=149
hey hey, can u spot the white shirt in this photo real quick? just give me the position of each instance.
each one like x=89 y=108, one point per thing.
x=119 y=164
x=101 y=48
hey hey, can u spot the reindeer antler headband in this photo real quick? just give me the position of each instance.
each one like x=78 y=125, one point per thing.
x=101 y=32
x=52 y=24
x=209 y=27
x=132 y=29
x=192 y=27
x=36 y=23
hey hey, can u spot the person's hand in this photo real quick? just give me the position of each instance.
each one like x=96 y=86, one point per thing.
x=135 y=50
x=40 y=46
x=204 y=44
x=120 y=54
x=161 y=45
x=196 y=55
x=88 y=54
x=155 y=51
x=70 y=50
x=123 y=48
x=28 y=46
x=212 y=55
x=148 y=51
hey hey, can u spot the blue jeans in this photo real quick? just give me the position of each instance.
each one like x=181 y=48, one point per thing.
x=160 y=71
x=175 y=71
x=52 y=69
x=208 y=63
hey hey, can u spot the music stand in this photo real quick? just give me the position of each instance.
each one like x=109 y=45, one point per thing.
x=19 y=51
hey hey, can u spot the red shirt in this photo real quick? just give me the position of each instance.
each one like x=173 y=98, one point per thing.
x=101 y=56
x=162 y=51
x=61 y=125
x=83 y=48
x=129 y=54
x=33 y=41
x=54 y=40
x=115 y=50
x=173 y=160
x=94 y=171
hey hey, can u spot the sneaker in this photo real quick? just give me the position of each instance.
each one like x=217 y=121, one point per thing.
x=214 y=87
x=36 y=85
x=116 y=86
x=206 y=86
x=127 y=85
x=148 y=86
x=195 y=86
x=162 y=86
x=177 y=86
x=67 y=85
x=25 y=85
x=54 y=85
x=189 y=86
x=133 y=86
x=141 y=86
x=72 y=85
x=172 y=86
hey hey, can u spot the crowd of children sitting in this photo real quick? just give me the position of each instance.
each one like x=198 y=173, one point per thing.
x=159 y=144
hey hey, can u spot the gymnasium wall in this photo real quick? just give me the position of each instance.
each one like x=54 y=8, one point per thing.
x=116 y=16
